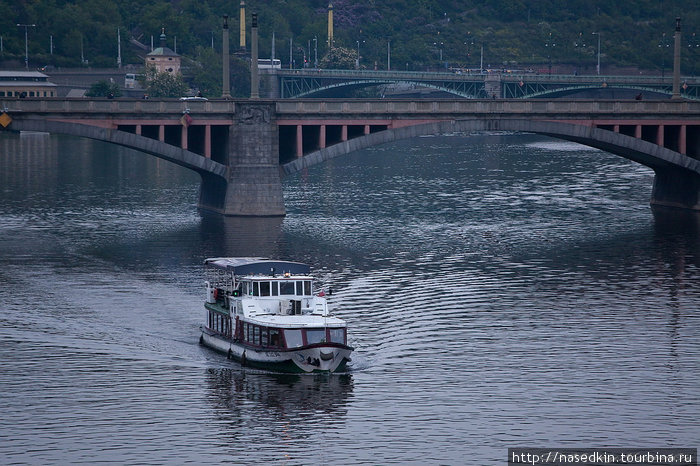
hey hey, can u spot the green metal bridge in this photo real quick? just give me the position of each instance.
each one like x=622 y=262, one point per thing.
x=503 y=84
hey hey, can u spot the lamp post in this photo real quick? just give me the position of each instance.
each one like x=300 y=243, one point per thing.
x=549 y=45
x=26 y=46
x=693 y=45
x=357 y=62
x=580 y=46
x=597 y=68
x=388 y=55
x=439 y=46
x=663 y=44
x=315 y=52
x=469 y=43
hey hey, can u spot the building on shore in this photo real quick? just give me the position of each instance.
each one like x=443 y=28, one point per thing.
x=26 y=84
x=163 y=59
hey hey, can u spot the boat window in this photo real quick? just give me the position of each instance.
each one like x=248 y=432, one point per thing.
x=275 y=289
x=286 y=288
x=264 y=288
x=307 y=287
x=315 y=336
x=293 y=338
x=274 y=337
x=263 y=332
x=300 y=288
x=337 y=335
x=246 y=328
x=256 y=289
x=256 y=335
x=244 y=288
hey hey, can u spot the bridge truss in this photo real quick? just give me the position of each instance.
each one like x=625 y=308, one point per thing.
x=304 y=83
x=304 y=86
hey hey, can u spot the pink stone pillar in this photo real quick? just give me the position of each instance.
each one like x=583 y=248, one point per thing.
x=344 y=133
x=322 y=137
x=300 y=142
x=183 y=137
x=616 y=128
x=682 y=140
x=207 y=141
x=161 y=133
x=366 y=129
x=638 y=131
x=660 y=135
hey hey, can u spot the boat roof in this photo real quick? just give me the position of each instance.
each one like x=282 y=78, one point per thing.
x=257 y=266
x=296 y=321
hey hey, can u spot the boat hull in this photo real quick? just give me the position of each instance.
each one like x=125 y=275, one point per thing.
x=313 y=358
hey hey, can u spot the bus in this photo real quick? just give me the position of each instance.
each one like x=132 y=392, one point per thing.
x=129 y=80
x=267 y=64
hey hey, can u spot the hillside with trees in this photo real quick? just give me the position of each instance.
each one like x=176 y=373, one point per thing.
x=418 y=34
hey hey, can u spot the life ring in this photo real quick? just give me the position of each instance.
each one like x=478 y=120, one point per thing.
x=216 y=294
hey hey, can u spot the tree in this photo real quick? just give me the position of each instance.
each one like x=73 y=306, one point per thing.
x=104 y=88
x=339 y=58
x=164 y=84
x=206 y=72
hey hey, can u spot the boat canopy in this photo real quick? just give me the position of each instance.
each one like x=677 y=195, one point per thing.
x=257 y=266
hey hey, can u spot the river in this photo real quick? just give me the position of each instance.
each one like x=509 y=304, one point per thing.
x=501 y=291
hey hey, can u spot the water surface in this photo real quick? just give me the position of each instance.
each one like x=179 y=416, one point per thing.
x=501 y=291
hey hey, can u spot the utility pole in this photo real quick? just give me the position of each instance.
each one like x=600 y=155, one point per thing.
x=597 y=68
x=388 y=55
x=254 y=82
x=225 y=86
x=26 y=47
x=316 y=52
x=119 y=48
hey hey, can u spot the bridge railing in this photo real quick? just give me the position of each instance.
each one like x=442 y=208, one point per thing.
x=502 y=75
x=149 y=106
x=452 y=107
x=557 y=108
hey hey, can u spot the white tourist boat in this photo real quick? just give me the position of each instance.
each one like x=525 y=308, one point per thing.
x=264 y=313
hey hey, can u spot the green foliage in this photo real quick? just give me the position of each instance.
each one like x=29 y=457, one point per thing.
x=164 y=84
x=509 y=30
x=206 y=72
x=240 y=78
x=104 y=88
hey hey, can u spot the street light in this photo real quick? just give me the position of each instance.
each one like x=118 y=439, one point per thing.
x=357 y=62
x=388 y=54
x=663 y=44
x=26 y=47
x=549 y=44
x=315 y=52
x=598 y=65
x=439 y=45
x=469 y=43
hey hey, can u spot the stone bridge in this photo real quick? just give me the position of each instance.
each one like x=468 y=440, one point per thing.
x=242 y=148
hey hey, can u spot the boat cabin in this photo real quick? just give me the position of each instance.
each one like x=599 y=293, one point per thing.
x=268 y=304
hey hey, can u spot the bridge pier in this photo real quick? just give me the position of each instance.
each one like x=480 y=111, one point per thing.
x=252 y=187
x=676 y=188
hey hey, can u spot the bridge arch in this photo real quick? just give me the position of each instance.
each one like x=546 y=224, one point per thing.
x=637 y=150
x=676 y=180
x=466 y=90
x=204 y=166
x=565 y=91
